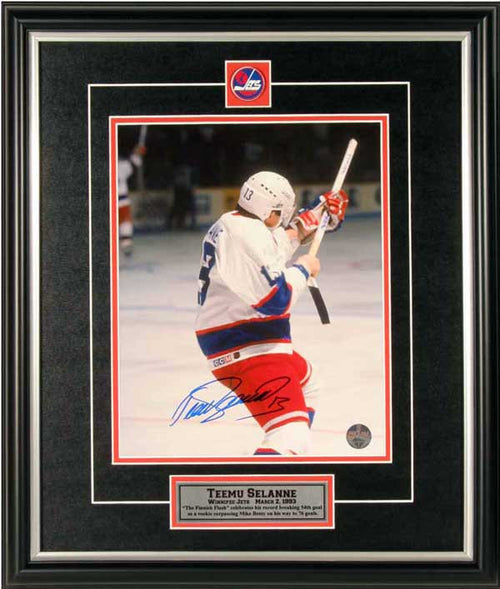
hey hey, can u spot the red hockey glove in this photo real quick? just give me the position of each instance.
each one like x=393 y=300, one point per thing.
x=308 y=219
x=336 y=203
x=306 y=222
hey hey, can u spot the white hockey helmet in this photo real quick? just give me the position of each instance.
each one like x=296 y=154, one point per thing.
x=265 y=192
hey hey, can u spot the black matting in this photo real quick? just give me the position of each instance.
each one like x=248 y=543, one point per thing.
x=69 y=521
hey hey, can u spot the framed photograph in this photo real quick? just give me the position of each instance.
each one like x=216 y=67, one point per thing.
x=251 y=294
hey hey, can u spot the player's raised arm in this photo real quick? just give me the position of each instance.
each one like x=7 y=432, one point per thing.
x=255 y=273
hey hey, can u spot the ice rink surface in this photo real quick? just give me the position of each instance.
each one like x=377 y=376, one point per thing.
x=160 y=362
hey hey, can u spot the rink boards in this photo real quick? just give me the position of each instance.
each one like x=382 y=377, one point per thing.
x=150 y=207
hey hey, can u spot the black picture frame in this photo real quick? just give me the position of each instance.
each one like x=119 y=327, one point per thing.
x=481 y=21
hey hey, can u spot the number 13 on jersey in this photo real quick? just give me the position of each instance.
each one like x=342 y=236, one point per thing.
x=207 y=261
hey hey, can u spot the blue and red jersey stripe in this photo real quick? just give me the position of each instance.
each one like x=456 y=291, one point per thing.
x=244 y=333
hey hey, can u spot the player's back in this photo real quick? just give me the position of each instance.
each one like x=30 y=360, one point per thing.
x=245 y=290
x=228 y=267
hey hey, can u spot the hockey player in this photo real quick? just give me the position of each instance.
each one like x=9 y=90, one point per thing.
x=126 y=167
x=246 y=292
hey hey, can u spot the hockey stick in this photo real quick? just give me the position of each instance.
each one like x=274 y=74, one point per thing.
x=320 y=232
x=142 y=135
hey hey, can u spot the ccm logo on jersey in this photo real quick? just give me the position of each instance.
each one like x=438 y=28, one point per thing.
x=248 y=84
x=223 y=360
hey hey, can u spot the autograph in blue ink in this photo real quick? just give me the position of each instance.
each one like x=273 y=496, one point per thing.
x=195 y=403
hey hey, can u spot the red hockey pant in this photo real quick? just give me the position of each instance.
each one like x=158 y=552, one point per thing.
x=271 y=387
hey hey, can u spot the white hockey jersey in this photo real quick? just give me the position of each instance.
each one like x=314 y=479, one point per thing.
x=245 y=290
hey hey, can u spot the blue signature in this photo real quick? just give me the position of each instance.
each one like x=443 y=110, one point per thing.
x=194 y=405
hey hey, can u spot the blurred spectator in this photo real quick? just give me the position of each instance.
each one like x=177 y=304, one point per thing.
x=184 y=203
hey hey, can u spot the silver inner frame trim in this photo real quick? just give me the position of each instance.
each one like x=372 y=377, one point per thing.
x=255 y=556
x=35 y=38
x=34 y=301
x=295 y=36
x=468 y=295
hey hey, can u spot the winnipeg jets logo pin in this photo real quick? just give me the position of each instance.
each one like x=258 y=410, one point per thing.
x=248 y=84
